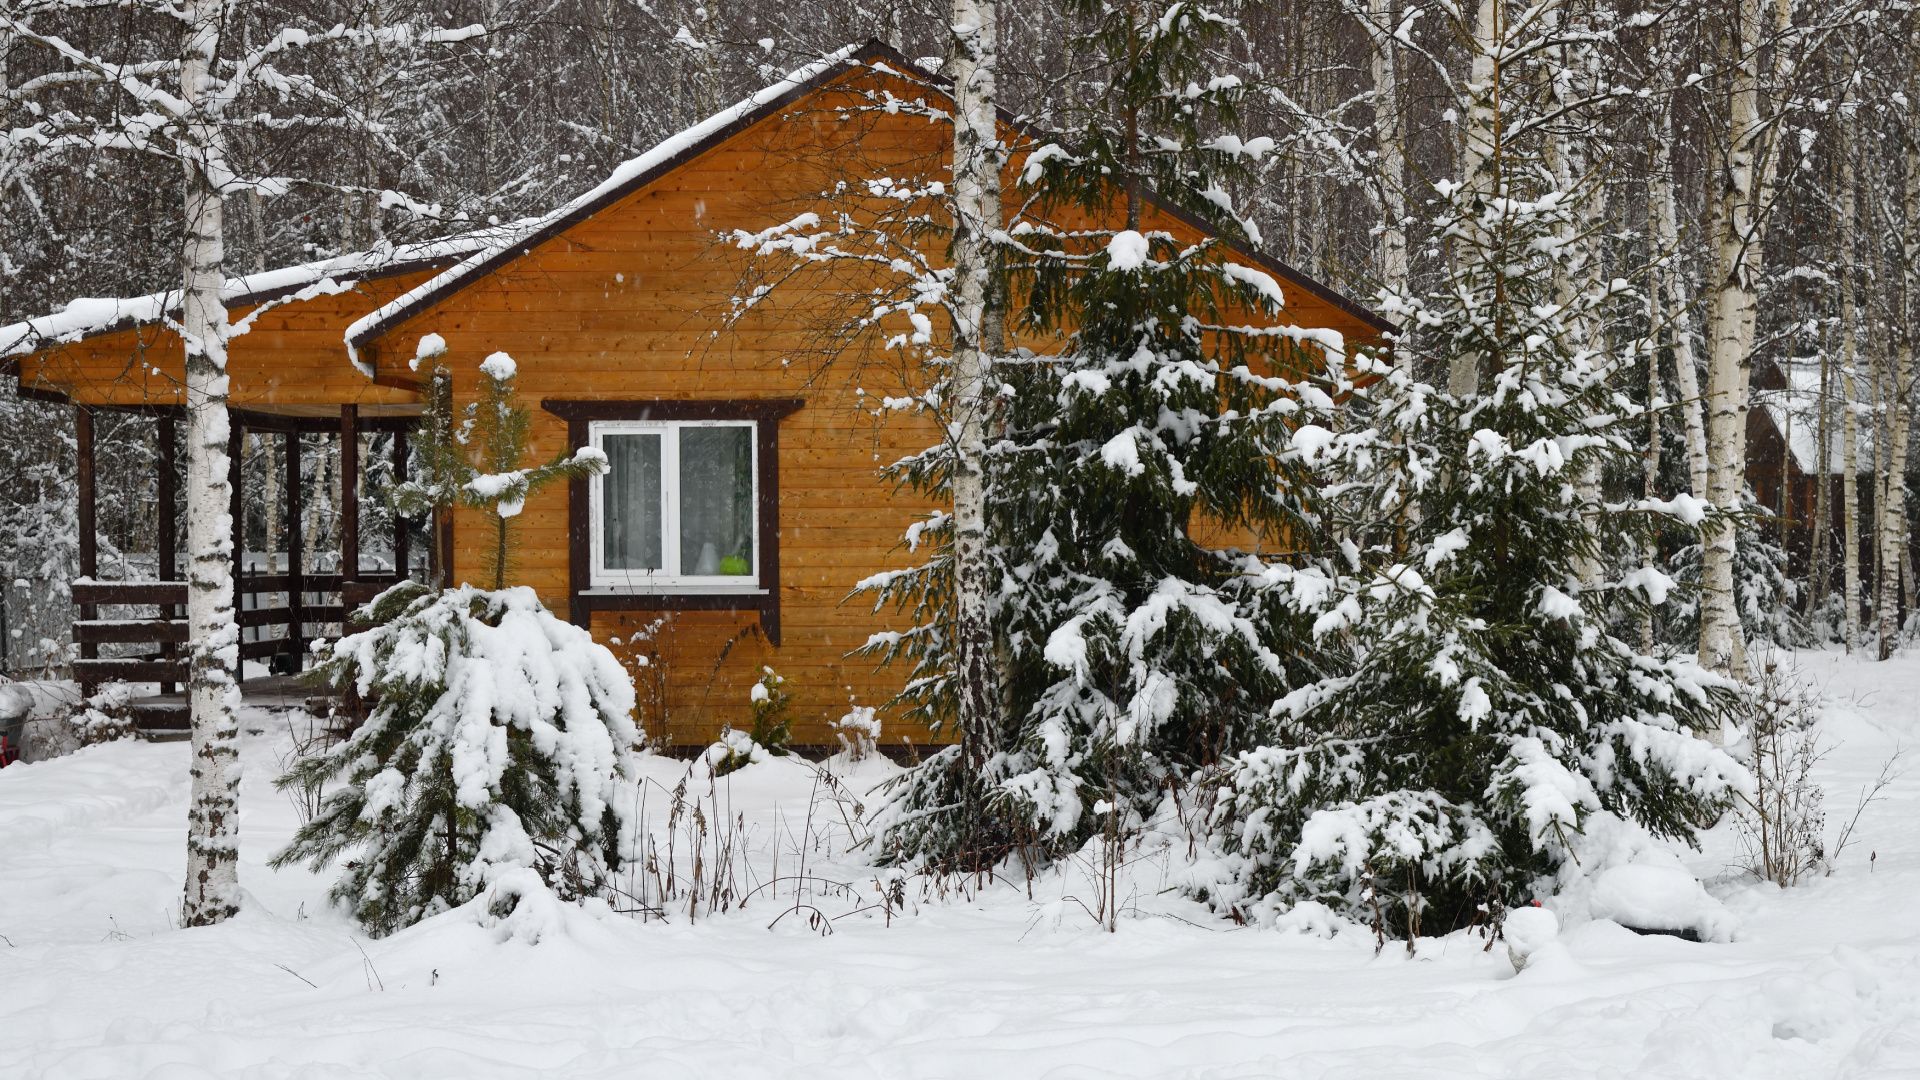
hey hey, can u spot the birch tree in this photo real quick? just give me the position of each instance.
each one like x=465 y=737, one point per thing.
x=1673 y=304
x=183 y=104
x=1763 y=52
x=1383 y=26
x=977 y=329
x=1898 y=402
x=213 y=810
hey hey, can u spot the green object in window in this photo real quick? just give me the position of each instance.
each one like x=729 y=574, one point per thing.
x=735 y=566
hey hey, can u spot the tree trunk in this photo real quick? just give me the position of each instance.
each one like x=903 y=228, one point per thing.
x=1389 y=135
x=1849 y=433
x=1735 y=218
x=1478 y=146
x=1893 y=506
x=1821 y=523
x=1677 y=313
x=213 y=814
x=976 y=327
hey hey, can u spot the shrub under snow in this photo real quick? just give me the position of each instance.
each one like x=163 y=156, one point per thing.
x=497 y=738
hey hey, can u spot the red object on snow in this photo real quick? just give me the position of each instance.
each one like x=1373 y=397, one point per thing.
x=8 y=755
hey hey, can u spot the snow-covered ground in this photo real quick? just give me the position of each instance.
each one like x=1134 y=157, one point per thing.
x=95 y=981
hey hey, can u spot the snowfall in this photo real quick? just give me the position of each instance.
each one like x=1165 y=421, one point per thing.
x=813 y=977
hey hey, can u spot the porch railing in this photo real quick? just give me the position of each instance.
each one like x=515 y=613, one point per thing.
x=309 y=605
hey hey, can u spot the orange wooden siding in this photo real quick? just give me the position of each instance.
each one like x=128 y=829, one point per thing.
x=291 y=360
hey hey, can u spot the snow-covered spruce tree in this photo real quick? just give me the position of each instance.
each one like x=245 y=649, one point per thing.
x=1133 y=649
x=1484 y=713
x=497 y=733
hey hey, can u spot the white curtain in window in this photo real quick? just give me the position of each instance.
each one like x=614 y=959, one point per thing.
x=632 y=530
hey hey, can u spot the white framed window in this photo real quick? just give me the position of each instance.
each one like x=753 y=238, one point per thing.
x=678 y=508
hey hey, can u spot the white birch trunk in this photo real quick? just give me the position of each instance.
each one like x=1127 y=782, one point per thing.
x=976 y=329
x=1389 y=135
x=1732 y=319
x=1849 y=437
x=1893 y=506
x=1478 y=145
x=1677 y=306
x=213 y=813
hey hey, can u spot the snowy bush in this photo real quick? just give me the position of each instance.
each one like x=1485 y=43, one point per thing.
x=1782 y=821
x=497 y=740
x=732 y=751
x=105 y=716
x=497 y=733
x=858 y=732
x=1528 y=929
x=1620 y=872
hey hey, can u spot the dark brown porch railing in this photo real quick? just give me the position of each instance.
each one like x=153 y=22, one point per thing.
x=299 y=618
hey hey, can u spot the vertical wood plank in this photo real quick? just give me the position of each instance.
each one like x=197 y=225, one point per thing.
x=767 y=432
x=296 y=638
x=237 y=511
x=88 y=524
x=401 y=536
x=579 y=538
x=349 y=494
x=167 y=542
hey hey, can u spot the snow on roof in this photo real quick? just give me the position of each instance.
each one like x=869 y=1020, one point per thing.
x=1794 y=411
x=629 y=172
x=93 y=315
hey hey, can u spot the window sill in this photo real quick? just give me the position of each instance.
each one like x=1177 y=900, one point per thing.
x=674 y=590
x=766 y=602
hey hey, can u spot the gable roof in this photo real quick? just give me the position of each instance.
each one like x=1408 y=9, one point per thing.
x=1788 y=396
x=88 y=317
x=638 y=172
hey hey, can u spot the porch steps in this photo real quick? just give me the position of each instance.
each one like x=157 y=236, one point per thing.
x=134 y=669
x=159 y=719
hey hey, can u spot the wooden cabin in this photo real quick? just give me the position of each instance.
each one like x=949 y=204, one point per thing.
x=1787 y=465
x=744 y=501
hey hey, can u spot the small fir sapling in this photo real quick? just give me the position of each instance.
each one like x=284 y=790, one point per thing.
x=769 y=703
x=477 y=463
x=769 y=735
x=498 y=734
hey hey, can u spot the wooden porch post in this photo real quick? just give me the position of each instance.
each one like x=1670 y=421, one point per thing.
x=237 y=510
x=89 y=538
x=295 y=639
x=401 y=538
x=166 y=565
x=349 y=496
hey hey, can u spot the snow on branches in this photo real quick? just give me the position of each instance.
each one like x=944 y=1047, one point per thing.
x=496 y=740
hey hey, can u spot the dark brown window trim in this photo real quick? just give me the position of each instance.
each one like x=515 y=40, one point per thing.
x=584 y=600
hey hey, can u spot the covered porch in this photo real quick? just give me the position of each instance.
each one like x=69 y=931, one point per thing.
x=314 y=449
x=297 y=573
